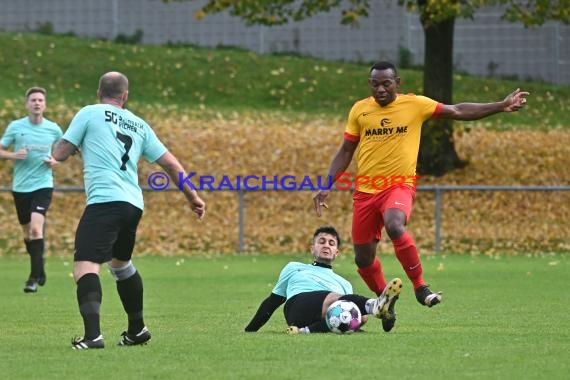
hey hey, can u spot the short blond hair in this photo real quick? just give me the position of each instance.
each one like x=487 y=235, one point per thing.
x=33 y=90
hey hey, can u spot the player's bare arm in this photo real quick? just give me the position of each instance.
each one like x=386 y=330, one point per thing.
x=338 y=165
x=50 y=161
x=515 y=101
x=62 y=149
x=18 y=155
x=173 y=168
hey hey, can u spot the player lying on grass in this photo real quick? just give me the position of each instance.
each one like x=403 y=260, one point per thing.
x=307 y=290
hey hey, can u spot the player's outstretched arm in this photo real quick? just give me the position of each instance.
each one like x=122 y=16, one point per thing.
x=515 y=101
x=173 y=167
x=264 y=312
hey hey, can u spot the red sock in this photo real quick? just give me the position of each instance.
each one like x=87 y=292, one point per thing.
x=373 y=276
x=407 y=254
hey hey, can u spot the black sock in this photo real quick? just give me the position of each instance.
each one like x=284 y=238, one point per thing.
x=131 y=293
x=359 y=300
x=36 y=251
x=89 y=296
x=27 y=242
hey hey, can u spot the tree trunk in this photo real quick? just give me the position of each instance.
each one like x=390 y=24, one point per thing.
x=437 y=153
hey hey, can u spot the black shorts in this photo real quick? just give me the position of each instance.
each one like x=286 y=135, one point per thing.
x=305 y=309
x=105 y=231
x=34 y=201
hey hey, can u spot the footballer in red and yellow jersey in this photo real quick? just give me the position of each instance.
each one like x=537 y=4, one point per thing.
x=389 y=139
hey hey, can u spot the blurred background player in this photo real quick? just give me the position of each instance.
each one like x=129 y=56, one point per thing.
x=307 y=290
x=112 y=140
x=386 y=129
x=32 y=183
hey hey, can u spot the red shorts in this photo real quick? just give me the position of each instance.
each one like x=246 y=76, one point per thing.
x=368 y=211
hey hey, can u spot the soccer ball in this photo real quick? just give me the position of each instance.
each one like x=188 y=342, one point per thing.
x=343 y=317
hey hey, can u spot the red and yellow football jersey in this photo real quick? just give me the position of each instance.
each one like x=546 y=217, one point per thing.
x=389 y=139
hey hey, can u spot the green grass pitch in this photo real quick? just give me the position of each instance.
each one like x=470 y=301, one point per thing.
x=501 y=318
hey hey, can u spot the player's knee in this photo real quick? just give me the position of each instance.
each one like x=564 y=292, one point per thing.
x=331 y=297
x=395 y=229
x=35 y=233
x=124 y=272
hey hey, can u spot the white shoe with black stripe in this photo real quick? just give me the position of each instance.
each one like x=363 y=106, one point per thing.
x=84 y=344
x=135 y=339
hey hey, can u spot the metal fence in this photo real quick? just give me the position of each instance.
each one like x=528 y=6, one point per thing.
x=438 y=191
x=484 y=45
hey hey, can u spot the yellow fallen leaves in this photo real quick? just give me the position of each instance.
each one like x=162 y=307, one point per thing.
x=277 y=144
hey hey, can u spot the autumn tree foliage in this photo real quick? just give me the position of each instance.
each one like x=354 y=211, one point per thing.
x=437 y=151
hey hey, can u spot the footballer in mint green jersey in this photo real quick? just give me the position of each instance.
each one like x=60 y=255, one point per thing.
x=298 y=278
x=307 y=290
x=31 y=173
x=32 y=183
x=112 y=140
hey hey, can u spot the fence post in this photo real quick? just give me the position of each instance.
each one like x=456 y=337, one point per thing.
x=116 y=21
